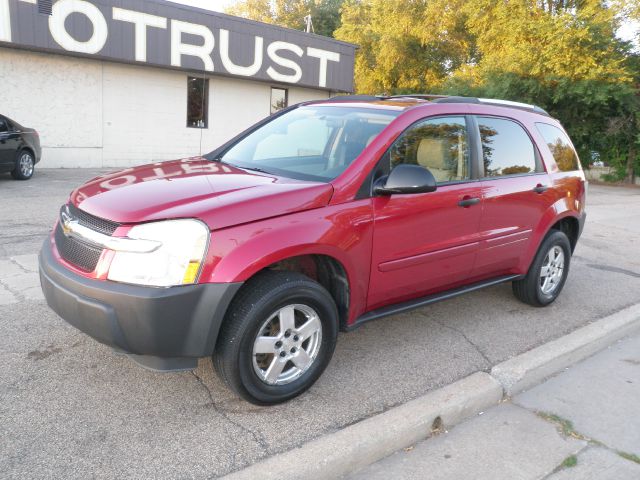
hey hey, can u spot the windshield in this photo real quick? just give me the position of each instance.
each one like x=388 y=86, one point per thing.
x=309 y=143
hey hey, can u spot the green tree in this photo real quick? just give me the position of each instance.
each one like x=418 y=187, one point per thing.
x=291 y=13
x=405 y=45
x=565 y=58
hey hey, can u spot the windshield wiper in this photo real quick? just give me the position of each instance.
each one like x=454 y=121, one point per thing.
x=253 y=169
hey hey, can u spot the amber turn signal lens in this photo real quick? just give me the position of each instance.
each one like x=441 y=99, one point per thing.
x=191 y=273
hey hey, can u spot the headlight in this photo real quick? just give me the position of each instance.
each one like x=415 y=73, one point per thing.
x=176 y=261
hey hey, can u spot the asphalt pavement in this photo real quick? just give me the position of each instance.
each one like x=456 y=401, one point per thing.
x=70 y=408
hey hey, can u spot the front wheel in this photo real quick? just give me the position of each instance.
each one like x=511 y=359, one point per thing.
x=548 y=272
x=278 y=337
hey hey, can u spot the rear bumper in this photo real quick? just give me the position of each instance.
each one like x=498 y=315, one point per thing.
x=161 y=328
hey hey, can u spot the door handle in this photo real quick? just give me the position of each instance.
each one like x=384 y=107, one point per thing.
x=540 y=188
x=467 y=202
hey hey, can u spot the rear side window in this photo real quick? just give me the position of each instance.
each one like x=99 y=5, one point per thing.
x=506 y=148
x=560 y=146
x=439 y=144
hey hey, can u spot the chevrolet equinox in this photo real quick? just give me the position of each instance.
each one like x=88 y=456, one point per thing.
x=317 y=219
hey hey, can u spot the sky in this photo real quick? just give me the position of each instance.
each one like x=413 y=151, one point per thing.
x=627 y=31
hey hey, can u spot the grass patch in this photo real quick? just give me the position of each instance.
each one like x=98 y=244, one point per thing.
x=570 y=461
x=562 y=424
x=630 y=456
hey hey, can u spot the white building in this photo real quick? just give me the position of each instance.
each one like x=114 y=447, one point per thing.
x=108 y=84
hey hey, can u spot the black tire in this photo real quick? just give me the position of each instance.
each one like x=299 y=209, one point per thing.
x=20 y=173
x=257 y=302
x=529 y=290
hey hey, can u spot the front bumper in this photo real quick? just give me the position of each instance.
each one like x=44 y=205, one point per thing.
x=581 y=221
x=161 y=328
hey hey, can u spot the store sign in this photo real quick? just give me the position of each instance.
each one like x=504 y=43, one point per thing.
x=165 y=34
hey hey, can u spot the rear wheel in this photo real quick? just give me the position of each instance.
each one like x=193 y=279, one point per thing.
x=278 y=337
x=25 y=166
x=548 y=272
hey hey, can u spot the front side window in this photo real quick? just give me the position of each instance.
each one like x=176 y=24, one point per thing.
x=560 y=146
x=506 y=148
x=197 y=102
x=315 y=142
x=439 y=144
x=279 y=99
x=4 y=126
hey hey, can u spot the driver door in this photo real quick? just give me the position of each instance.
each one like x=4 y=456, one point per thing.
x=427 y=242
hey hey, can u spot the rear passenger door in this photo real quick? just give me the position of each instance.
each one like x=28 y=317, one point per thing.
x=515 y=192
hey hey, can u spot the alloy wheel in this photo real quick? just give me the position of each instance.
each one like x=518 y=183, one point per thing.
x=25 y=165
x=287 y=344
x=552 y=270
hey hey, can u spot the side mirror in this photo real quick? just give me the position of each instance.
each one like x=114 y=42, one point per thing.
x=406 y=178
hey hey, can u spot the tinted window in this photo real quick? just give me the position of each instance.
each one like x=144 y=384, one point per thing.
x=279 y=99
x=197 y=102
x=506 y=148
x=3 y=125
x=560 y=146
x=439 y=144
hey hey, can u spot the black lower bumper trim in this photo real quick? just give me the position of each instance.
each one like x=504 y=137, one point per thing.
x=163 y=364
x=155 y=325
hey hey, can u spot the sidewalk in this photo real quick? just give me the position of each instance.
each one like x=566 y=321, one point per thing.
x=581 y=424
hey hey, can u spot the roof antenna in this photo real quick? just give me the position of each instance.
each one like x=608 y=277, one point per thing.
x=309 y=23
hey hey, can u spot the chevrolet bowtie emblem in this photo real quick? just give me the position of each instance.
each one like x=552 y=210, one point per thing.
x=65 y=221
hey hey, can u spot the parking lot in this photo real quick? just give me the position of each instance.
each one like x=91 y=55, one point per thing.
x=71 y=408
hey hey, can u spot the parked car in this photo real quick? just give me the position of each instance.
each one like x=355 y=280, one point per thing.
x=319 y=218
x=19 y=149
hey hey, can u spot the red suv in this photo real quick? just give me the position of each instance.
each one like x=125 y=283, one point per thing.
x=317 y=219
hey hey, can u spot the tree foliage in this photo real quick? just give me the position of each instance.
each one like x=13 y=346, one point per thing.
x=291 y=13
x=560 y=54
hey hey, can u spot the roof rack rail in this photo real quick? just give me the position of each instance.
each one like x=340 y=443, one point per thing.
x=436 y=98
x=363 y=98
x=492 y=101
x=425 y=96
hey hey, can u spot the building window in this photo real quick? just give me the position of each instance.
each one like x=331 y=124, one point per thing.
x=279 y=99
x=197 y=102
x=45 y=7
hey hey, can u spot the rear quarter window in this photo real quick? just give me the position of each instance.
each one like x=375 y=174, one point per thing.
x=560 y=146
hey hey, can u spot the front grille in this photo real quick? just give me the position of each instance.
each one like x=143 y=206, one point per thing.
x=83 y=255
x=94 y=223
x=80 y=254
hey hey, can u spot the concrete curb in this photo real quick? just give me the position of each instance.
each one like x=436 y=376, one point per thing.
x=530 y=368
x=366 y=442
x=352 y=448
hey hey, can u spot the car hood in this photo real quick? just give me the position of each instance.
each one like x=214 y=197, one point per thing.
x=217 y=193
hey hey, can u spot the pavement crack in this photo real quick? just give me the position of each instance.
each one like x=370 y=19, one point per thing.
x=609 y=268
x=257 y=437
x=13 y=292
x=469 y=341
x=24 y=270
